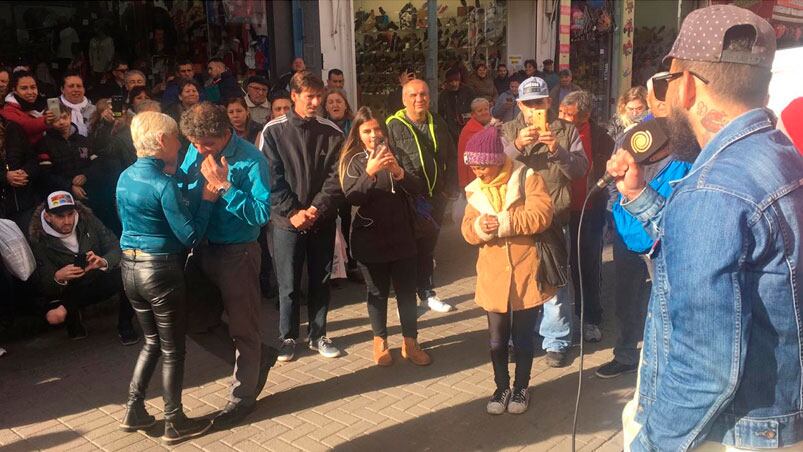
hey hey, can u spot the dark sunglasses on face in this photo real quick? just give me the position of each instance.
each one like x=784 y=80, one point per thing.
x=660 y=83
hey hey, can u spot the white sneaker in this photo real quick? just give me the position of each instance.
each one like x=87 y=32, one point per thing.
x=437 y=305
x=591 y=333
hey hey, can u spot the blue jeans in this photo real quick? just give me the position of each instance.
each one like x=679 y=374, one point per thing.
x=555 y=322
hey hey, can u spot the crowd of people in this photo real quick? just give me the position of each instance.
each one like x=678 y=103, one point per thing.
x=194 y=202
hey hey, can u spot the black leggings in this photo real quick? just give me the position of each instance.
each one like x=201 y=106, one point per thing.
x=157 y=292
x=378 y=277
x=499 y=329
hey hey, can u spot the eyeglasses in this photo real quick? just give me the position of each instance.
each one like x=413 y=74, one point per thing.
x=660 y=83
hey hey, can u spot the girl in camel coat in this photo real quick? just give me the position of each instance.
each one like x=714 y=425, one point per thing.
x=507 y=204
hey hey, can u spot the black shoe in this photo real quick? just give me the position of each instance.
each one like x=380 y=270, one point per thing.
x=128 y=335
x=614 y=368
x=182 y=427
x=136 y=418
x=233 y=414
x=75 y=328
x=268 y=360
x=556 y=359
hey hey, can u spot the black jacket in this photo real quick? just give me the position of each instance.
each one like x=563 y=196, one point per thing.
x=601 y=151
x=382 y=227
x=16 y=154
x=68 y=158
x=452 y=106
x=303 y=156
x=51 y=254
x=438 y=173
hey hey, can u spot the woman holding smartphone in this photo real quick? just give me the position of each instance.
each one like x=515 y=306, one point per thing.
x=382 y=235
x=157 y=231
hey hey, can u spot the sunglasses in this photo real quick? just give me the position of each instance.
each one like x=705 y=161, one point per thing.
x=660 y=83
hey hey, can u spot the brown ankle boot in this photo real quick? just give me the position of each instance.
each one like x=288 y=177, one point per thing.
x=381 y=352
x=412 y=352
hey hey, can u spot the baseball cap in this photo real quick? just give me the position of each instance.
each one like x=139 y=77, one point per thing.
x=59 y=201
x=703 y=32
x=256 y=79
x=533 y=88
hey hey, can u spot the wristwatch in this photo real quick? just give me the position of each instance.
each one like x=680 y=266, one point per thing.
x=223 y=189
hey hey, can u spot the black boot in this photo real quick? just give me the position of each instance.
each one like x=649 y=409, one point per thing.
x=136 y=417
x=180 y=427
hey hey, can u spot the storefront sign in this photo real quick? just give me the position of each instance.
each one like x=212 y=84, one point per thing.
x=564 y=36
x=514 y=61
x=626 y=49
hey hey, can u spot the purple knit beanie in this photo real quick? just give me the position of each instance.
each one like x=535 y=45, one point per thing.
x=485 y=149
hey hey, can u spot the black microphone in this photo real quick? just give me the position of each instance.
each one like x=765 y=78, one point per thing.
x=642 y=141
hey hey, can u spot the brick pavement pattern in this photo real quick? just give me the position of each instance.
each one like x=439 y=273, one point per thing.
x=57 y=394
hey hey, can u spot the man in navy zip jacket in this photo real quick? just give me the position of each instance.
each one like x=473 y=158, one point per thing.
x=722 y=342
x=303 y=151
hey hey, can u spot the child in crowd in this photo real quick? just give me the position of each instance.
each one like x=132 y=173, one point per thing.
x=507 y=204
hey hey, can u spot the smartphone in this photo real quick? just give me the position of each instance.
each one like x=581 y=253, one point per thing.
x=79 y=260
x=117 y=106
x=54 y=105
x=539 y=120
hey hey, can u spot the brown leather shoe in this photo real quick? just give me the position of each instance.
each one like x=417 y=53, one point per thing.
x=382 y=355
x=413 y=353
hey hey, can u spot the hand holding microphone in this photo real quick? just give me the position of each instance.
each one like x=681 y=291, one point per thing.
x=641 y=144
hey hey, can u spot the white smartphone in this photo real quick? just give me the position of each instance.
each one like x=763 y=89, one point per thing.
x=54 y=105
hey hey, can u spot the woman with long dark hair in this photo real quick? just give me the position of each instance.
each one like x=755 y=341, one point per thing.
x=382 y=234
x=24 y=106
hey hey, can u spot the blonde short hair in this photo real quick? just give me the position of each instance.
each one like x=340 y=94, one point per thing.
x=146 y=128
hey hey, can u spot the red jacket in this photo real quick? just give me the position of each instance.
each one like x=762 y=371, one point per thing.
x=34 y=127
x=464 y=173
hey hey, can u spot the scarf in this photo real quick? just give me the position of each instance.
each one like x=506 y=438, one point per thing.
x=36 y=109
x=77 y=117
x=496 y=190
x=70 y=241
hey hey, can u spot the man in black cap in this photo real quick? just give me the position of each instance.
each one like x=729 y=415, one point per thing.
x=721 y=360
x=256 y=97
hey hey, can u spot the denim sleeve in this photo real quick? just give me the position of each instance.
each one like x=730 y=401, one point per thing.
x=708 y=336
x=249 y=197
x=188 y=230
x=648 y=209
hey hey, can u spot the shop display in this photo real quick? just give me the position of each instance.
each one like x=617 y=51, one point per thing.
x=592 y=27
x=388 y=41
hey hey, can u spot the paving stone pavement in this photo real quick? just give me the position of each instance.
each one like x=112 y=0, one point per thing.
x=68 y=395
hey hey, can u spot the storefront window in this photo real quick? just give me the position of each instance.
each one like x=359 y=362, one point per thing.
x=391 y=35
x=591 y=44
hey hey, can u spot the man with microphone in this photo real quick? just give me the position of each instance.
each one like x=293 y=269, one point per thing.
x=721 y=361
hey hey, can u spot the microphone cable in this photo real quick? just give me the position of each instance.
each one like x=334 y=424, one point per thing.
x=582 y=317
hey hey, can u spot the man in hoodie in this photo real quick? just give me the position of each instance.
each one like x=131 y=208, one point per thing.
x=303 y=150
x=222 y=84
x=77 y=264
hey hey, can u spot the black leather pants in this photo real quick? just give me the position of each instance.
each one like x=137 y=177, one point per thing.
x=155 y=287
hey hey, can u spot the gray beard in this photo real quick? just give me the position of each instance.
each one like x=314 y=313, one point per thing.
x=682 y=142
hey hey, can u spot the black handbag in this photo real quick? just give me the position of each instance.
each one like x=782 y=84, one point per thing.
x=420 y=210
x=553 y=268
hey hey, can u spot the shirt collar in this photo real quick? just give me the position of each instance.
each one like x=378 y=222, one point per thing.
x=150 y=161
x=231 y=147
x=251 y=103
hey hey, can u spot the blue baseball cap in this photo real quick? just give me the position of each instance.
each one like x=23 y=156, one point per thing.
x=533 y=88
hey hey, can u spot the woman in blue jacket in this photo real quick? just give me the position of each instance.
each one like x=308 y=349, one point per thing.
x=157 y=231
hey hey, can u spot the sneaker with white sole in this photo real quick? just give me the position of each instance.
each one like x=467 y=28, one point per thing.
x=497 y=404
x=519 y=401
x=287 y=351
x=591 y=333
x=437 y=305
x=325 y=347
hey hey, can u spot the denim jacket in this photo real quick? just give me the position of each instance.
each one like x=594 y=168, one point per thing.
x=722 y=340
